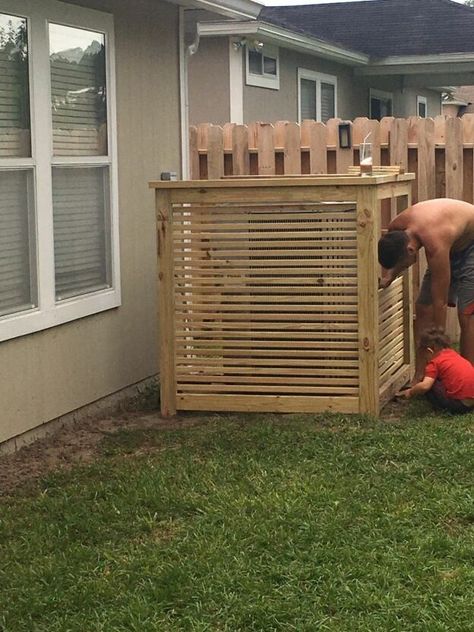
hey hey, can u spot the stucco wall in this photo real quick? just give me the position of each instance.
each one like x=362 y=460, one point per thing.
x=272 y=105
x=404 y=99
x=208 y=82
x=352 y=92
x=47 y=374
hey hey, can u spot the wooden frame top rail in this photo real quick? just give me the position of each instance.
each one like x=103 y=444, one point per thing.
x=284 y=181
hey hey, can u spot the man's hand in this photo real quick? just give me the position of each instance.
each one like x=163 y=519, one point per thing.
x=384 y=282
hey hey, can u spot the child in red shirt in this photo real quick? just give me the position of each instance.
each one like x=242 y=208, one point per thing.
x=449 y=378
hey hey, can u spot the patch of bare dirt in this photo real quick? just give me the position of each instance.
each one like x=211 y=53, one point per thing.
x=73 y=444
x=79 y=443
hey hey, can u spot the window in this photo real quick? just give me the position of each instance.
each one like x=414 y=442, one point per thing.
x=317 y=96
x=422 y=106
x=263 y=66
x=380 y=104
x=58 y=191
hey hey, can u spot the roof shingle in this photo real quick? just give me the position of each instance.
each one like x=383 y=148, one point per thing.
x=383 y=28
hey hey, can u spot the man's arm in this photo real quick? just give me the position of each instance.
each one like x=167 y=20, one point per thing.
x=440 y=268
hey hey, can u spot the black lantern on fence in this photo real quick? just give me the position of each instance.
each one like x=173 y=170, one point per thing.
x=345 y=135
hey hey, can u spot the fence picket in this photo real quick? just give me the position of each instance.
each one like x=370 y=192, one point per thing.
x=292 y=152
x=215 y=152
x=266 y=150
x=468 y=157
x=194 y=154
x=453 y=157
x=240 y=151
x=344 y=157
x=363 y=128
x=314 y=135
x=440 y=151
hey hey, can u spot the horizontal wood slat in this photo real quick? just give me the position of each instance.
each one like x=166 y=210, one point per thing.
x=267 y=403
x=439 y=151
x=266 y=296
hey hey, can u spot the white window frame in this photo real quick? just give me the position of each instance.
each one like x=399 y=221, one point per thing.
x=263 y=80
x=379 y=94
x=50 y=312
x=319 y=78
x=421 y=101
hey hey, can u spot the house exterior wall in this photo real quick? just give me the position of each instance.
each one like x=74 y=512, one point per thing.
x=50 y=373
x=274 y=105
x=404 y=99
x=352 y=92
x=208 y=82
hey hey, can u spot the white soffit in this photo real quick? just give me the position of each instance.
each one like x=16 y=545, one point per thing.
x=283 y=37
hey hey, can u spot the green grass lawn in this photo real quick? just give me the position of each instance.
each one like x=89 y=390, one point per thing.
x=250 y=523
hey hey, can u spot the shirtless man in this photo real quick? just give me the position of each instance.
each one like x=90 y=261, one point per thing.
x=445 y=229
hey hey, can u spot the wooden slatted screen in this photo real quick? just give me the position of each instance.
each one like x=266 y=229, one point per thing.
x=269 y=301
x=391 y=331
x=266 y=302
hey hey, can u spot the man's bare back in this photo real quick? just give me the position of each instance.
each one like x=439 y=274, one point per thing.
x=438 y=224
x=445 y=229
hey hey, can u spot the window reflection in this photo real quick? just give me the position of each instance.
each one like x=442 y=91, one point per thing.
x=78 y=91
x=15 y=139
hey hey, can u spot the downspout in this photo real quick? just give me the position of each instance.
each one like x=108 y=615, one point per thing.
x=184 y=53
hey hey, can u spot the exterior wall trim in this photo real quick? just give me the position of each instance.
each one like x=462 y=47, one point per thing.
x=283 y=37
x=236 y=90
x=304 y=73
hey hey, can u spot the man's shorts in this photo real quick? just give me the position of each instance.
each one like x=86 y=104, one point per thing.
x=461 y=289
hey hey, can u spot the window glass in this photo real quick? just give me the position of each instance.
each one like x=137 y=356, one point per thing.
x=81 y=230
x=255 y=62
x=15 y=140
x=328 y=101
x=422 y=109
x=269 y=66
x=78 y=91
x=17 y=242
x=380 y=107
x=308 y=99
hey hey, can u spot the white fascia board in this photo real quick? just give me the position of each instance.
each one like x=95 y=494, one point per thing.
x=283 y=38
x=236 y=9
x=414 y=64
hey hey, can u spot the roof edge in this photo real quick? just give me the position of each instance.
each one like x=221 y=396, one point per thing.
x=286 y=37
x=437 y=58
x=236 y=9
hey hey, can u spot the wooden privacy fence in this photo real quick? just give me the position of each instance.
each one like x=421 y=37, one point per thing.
x=269 y=298
x=440 y=152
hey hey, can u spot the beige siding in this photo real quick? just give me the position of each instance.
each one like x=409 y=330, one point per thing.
x=47 y=374
x=273 y=105
x=352 y=92
x=208 y=82
x=404 y=99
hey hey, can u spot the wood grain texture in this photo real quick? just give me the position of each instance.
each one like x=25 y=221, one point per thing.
x=275 y=303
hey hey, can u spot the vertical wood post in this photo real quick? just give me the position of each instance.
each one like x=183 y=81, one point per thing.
x=368 y=230
x=164 y=222
x=408 y=311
